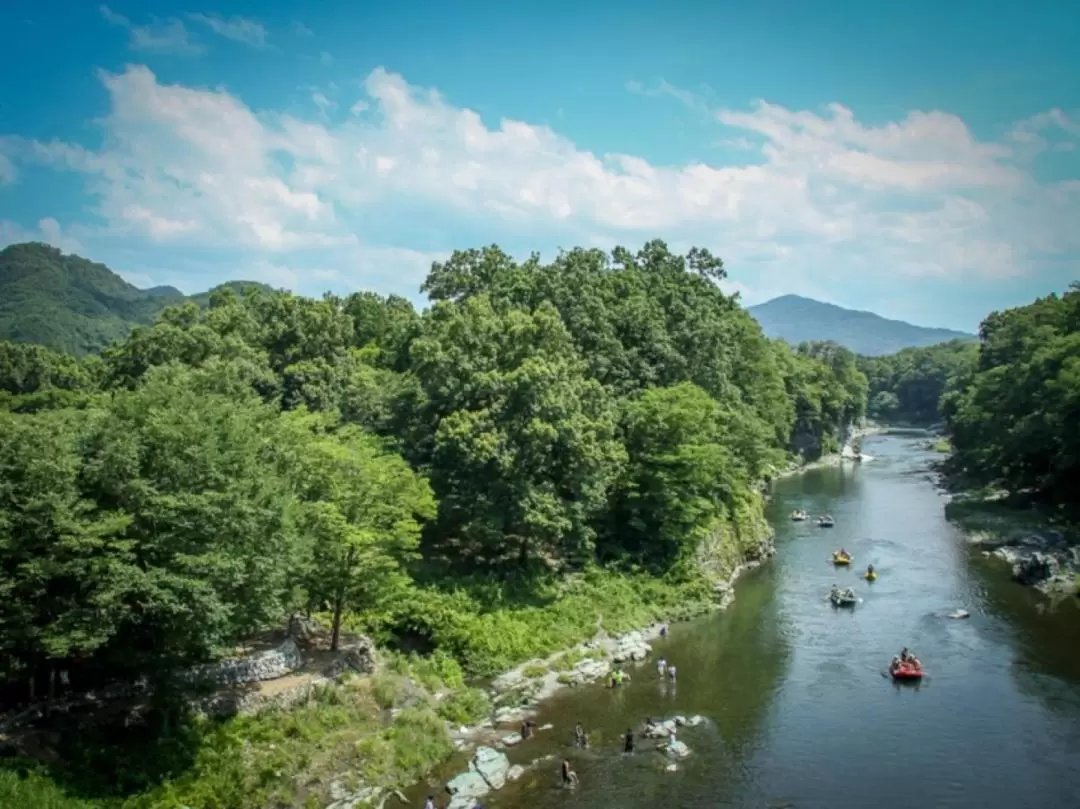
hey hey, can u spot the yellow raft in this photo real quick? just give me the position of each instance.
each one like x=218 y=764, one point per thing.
x=837 y=559
x=870 y=576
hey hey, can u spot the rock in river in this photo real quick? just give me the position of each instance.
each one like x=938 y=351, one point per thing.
x=468 y=786
x=676 y=750
x=492 y=766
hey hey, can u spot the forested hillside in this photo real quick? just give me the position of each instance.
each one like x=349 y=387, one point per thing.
x=906 y=387
x=535 y=420
x=434 y=476
x=69 y=304
x=1014 y=417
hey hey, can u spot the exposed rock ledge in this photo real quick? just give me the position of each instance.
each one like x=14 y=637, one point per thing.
x=1046 y=561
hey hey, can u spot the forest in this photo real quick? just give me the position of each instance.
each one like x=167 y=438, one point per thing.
x=1013 y=416
x=906 y=387
x=546 y=447
x=401 y=472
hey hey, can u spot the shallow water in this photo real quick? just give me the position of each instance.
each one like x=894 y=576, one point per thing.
x=801 y=713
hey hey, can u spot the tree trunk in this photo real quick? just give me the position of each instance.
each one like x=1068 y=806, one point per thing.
x=339 y=604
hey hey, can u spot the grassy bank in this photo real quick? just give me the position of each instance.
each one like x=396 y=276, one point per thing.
x=344 y=733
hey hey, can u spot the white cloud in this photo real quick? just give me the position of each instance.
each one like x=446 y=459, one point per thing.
x=820 y=192
x=48 y=230
x=7 y=170
x=326 y=58
x=301 y=30
x=239 y=29
x=320 y=100
x=162 y=36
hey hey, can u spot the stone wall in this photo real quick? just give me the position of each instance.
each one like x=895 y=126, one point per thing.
x=268 y=665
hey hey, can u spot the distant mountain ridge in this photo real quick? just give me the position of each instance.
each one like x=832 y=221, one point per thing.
x=795 y=319
x=68 y=303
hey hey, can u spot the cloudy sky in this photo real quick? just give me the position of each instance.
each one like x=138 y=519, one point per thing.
x=919 y=161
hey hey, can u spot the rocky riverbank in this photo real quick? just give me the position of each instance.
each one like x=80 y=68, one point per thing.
x=1048 y=560
x=517 y=695
x=847 y=453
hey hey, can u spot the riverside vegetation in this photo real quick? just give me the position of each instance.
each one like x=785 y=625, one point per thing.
x=548 y=448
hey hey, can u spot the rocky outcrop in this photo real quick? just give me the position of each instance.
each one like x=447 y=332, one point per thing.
x=631 y=647
x=1046 y=561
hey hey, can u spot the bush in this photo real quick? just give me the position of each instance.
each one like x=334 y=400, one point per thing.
x=465 y=707
x=32 y=791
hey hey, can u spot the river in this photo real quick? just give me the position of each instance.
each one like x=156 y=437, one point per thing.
x=801 y=714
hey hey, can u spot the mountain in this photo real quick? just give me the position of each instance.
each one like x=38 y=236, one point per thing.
x=795 y=319
x=70 y=304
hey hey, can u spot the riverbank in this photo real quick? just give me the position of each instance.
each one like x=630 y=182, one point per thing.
x=361 y=739
x=1042 y=552
x=846 y=454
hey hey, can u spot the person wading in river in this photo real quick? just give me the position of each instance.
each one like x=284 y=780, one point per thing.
x=569 y=777
x=628 y=741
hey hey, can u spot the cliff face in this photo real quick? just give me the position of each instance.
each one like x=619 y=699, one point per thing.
x=810 y=445
x=742 y=537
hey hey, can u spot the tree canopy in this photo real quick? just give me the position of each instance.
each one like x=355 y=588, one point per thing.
x=907 y=387
x=256 y=453
x=1014 y=416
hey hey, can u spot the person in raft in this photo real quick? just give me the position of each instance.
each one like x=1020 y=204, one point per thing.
x=869 y=570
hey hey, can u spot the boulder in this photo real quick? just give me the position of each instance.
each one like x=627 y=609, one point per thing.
x=515 y=772
x=592 y=670
x=676 y=750
x=492 y=766
x=661 y=730
x=511 y=740
x=352 y=800
x=1035 y=568
x=630 y=647
x=468 y=786
x=694 y=721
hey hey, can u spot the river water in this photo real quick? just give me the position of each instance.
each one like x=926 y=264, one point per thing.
x=801 y=714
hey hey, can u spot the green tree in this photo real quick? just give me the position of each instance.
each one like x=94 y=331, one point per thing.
x=362 y=512
x=680 y=472
x=524 y=451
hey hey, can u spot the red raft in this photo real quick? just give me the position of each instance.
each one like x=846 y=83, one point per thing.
x=906 y=672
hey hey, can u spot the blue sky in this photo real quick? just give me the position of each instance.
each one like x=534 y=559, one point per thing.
x=919 y=160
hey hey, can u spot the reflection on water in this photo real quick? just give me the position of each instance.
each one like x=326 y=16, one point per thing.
x=802 y=711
